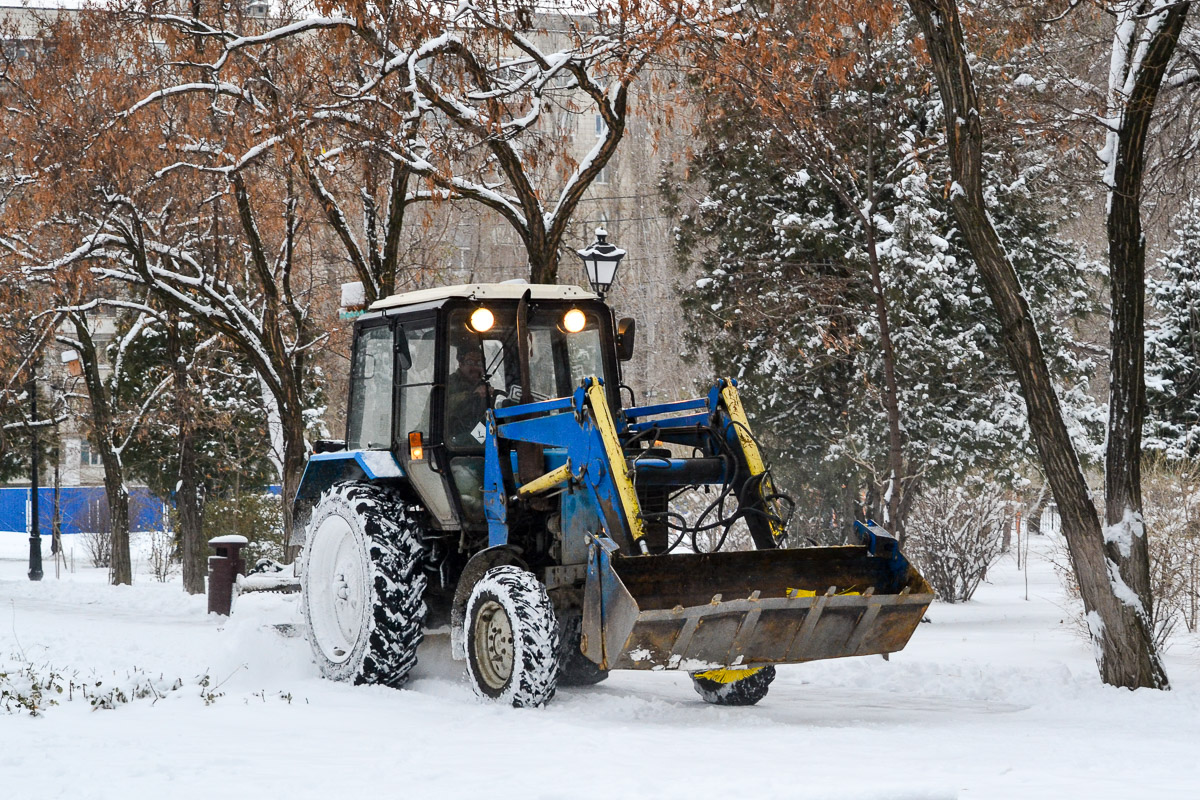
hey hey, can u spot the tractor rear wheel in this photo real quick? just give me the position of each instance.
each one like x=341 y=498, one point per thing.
x=733 y=687
x=512 y=638
x=363 y=585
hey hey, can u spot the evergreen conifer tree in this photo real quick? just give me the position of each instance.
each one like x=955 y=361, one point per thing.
x=782 y=300
x=1173 y=346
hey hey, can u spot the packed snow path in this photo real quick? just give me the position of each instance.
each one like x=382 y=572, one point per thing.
x=996 y=698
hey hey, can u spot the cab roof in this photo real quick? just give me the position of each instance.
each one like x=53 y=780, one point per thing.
x=484 y=292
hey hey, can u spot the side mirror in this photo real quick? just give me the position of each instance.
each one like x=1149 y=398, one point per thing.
x=403 y=354
x=626 y=332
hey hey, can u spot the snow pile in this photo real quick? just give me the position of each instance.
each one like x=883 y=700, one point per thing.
x=998 y=697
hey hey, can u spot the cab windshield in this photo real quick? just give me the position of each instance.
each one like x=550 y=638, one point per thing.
x=485 y=367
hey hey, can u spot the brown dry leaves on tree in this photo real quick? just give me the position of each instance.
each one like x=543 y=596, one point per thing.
x=462 y=102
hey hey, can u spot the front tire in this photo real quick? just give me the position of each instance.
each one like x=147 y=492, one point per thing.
x=363 y=586
x=574 y=668
x=512 y=638
x=729 y=687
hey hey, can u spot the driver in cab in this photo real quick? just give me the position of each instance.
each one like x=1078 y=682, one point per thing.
x=468 y=397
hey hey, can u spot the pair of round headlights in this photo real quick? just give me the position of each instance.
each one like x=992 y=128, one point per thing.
x=482 y=320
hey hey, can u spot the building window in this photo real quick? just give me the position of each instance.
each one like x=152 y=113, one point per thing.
x=601 y=127
x=565 y=124
x=16 y=49
x=88 y=458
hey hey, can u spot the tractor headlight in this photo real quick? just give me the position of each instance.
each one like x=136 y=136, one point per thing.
x=482 y=320
x=574 y=321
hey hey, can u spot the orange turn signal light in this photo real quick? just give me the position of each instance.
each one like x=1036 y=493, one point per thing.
x=416 y=448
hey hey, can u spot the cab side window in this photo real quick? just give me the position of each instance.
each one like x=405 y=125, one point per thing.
x=370 y=413
x=416 y=382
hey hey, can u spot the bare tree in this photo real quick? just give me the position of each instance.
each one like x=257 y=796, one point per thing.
x=114 y=423
x=1118 y=617
x=1146 y=36
x=97 y=198
x=458 y=104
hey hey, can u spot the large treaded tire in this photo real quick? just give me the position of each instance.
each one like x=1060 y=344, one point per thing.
x=363 y=585
x=740 y=692
x=512 y=638
x=574 y=668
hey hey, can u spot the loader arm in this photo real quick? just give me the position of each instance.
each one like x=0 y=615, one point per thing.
x=582 y=425
x=721 y=413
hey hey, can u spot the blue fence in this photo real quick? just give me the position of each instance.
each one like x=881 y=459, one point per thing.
x=82 y=509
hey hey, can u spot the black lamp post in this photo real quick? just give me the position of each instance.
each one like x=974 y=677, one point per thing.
x=35 y=536
x=600 y=260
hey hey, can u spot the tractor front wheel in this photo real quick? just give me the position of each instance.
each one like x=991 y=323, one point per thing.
x=363 y=585
x=733 y=687
x=512 y=638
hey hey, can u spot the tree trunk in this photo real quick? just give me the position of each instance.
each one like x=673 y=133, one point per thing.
x=190 y=506
x=188 y=501
x=120 y=568
x=295 y=454
x=1125 y=648
x=1125 y=539
x=892 y=496
x=543 y=259
x=1033 y=527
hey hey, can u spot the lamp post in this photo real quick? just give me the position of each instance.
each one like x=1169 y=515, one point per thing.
x=35 y=536
x=600 y=261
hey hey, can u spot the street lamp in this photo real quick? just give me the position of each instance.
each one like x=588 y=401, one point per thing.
x=600 y=260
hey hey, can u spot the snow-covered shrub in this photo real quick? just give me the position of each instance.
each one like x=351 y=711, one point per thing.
x=1171 y=516
x=28 y=688
x=1171 y=510
x=163 y=557
x=98 y=545
x=258 y=517
x=954 y=535
x=813 y=525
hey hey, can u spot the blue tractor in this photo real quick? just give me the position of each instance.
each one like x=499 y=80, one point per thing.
x=493 y=481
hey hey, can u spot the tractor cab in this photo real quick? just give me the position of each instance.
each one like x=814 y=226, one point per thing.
x=427 y=365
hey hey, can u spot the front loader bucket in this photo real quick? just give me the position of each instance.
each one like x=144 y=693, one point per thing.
x=697 y=612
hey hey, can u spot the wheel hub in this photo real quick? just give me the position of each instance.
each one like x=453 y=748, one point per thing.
x=494 y=645
x=337 y=612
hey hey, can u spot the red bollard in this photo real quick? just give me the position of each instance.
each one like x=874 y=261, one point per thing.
x=223 y=569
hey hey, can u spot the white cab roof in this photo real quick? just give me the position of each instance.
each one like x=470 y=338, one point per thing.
x=484 y=292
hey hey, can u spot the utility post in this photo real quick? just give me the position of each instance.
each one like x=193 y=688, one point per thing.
x=35 y=536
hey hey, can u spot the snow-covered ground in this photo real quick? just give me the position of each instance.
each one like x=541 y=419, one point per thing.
x=995 y=698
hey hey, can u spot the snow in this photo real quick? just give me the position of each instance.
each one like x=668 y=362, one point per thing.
x=231 y=538
x=996 y=698
x=1122 y=533
x=353 y=295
